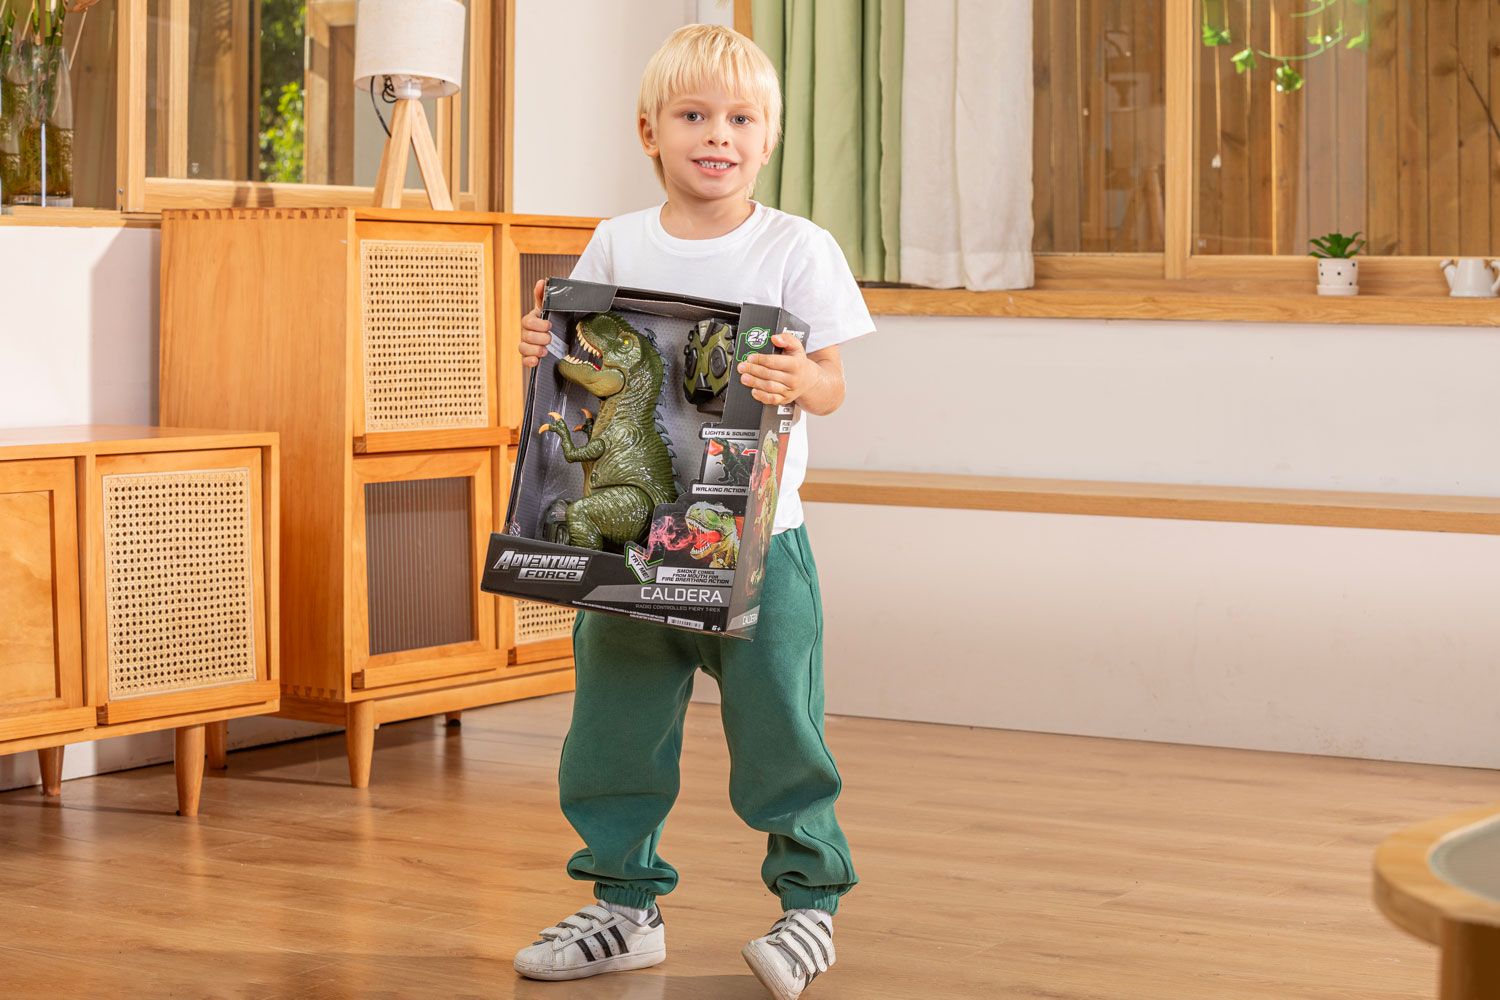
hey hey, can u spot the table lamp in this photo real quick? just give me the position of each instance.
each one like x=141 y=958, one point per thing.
x=410 y=49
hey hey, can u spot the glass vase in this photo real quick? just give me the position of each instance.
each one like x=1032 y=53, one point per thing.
x=36 y=133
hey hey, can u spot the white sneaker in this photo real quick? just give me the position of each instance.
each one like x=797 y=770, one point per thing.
x=790 y=957
x=594 y=941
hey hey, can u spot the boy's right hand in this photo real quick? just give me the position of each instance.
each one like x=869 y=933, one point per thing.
x=536 y=333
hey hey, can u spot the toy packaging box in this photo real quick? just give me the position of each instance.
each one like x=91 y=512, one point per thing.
x=646 y=478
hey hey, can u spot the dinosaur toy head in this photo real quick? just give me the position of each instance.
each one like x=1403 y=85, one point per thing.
x=706 y=357
x=618 y=348
x=710 y=524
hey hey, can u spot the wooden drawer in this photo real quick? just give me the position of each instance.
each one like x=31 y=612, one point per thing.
x=42 y=688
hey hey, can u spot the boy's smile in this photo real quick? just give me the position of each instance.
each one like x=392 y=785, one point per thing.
x=711 y=144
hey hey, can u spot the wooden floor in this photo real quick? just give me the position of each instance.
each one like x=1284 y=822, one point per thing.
x=995 y=865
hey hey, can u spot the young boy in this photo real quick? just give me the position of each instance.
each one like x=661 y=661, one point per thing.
x=709 y=117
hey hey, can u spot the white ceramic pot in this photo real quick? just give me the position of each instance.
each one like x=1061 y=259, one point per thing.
x=1338 y=276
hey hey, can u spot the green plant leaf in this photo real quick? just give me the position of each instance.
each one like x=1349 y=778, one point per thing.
x=1360 y=41
x=1213 y=36
x=1288 y=79
x=1244 y=60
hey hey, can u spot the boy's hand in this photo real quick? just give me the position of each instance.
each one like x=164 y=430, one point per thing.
x=536 y=333
x=781 y=378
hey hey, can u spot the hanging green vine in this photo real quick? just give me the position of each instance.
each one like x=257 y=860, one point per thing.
x=1321 y=38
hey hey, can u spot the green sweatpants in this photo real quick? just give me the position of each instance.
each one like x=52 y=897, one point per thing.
x=619 y=777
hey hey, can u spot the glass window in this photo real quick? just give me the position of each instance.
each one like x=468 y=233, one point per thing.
x=1319 y=116
x=264 y=92
x=1100 y=114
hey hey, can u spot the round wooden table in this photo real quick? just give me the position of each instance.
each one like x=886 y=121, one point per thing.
x=1440 y=881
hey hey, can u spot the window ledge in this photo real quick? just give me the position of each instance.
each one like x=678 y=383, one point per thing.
x=80 y=218
x=1217 y=306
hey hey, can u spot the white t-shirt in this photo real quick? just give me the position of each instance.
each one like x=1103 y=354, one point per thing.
x=771 y=258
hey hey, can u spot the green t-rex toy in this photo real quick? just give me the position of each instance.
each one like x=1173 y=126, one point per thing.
x=717 y=535
x=628 y=469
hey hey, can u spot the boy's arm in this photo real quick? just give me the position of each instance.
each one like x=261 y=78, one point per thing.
x=815 y=380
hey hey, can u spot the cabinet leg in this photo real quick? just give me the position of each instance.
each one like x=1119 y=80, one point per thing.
x=189 y=768
x=51 y=760
x=359 y=737
x=217 y=738
x=454 y=718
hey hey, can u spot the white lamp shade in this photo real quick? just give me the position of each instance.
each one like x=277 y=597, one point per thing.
x=419 y=40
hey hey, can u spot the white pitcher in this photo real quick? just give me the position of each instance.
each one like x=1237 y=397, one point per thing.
x=1469 y=278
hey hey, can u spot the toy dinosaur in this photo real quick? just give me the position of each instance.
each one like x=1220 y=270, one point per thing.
x=763 y=500
x=736 y=462
x=716 y=534
x=628 y=467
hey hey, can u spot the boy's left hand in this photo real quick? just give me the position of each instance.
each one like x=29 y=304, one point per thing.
x=780 y=378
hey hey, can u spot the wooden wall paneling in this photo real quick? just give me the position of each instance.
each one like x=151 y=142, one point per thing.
x=1284 y=189
x=1150 y=67
x=1383 y=134
x=1116 y=122
x=1182 y=35
x=1316 y=207
x=1214 y=75
x=1442 y=127
x=1494 y=140
x=1042 y=194
x=1475 y=163
x=1259 y=233
x=1092 y=127
x=1067 y=130
x=1353 y=149
x=1411 y=112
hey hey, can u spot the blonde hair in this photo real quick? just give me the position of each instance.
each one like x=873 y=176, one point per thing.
x=696 y=54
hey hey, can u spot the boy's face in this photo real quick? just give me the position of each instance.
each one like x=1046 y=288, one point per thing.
x=711 y=143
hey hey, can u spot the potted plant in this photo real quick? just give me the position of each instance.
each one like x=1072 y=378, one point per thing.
x=1338 y=271
x=36 y=102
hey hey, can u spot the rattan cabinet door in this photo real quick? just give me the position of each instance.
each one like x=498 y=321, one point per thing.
x=421 y=523
x=536 y=636
x=527 y=254
x=41 y=663
x=177 y=612
x=425 y=342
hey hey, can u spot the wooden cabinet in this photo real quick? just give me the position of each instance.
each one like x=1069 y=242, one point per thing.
x=137 y=588
x=381 y=345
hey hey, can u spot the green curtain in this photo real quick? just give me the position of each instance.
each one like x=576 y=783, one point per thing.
x=839 y=162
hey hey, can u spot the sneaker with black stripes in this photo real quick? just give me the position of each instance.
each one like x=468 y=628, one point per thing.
x=798 y=948
x=594 y=941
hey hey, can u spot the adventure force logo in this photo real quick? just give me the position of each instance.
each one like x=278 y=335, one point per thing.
x=540 y=566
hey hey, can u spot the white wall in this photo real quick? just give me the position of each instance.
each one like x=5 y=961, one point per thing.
x=578 y=72
x=1324 y=640
x=1321 y=640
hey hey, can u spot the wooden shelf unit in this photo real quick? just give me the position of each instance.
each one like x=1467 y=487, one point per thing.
x=382 y=345
x=138 y=582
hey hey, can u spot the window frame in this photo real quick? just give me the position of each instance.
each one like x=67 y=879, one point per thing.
x=137 y=192
x=1179 y=284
